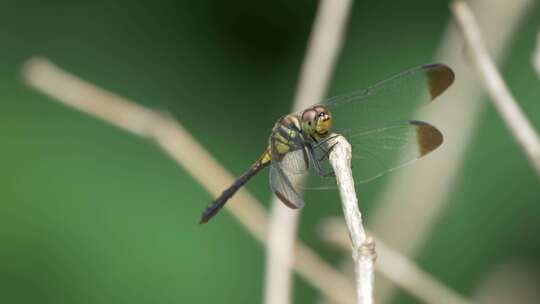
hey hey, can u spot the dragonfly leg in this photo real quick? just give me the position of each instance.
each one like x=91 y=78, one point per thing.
x=327 y=152
x=316 y=162
x=319 y=143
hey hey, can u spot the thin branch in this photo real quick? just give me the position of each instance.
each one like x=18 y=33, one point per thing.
x=44 y=76
x=504 y=102
x=396 y=267
x=536 y=55
x=363 y=247
x=321 y=54
x=406 y=202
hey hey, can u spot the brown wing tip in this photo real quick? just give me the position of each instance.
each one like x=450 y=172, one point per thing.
x=427 y=136
x=440 y=77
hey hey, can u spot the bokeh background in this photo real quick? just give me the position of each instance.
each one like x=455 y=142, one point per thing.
x=91 y=214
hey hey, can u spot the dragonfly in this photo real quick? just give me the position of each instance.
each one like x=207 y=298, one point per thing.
x=377 y=122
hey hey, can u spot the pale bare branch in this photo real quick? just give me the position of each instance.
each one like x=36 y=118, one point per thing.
x=363 y=247
x=42 y=75
x=504 y=102
x=321 y=54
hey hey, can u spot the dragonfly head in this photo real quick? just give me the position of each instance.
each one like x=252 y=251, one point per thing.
x=316 y=120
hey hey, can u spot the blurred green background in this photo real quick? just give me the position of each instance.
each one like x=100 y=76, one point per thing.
x=91 y=214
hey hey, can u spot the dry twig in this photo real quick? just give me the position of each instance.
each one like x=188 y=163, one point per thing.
x=504 y=102
x=363 y=247
x=321 y=54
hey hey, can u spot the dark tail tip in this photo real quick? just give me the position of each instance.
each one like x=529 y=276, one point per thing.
x=207 y=215
x=204 y=217
x=212 y=210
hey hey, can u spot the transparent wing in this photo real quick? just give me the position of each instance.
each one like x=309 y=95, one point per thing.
x=295 y=161
x=384 y=149
x=284 y=184
x=390 y=100
x=376 y=151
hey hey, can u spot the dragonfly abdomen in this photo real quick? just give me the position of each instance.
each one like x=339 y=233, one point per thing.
x=215 y=206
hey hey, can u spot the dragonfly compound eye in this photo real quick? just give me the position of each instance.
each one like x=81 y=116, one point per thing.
x=309 y=115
